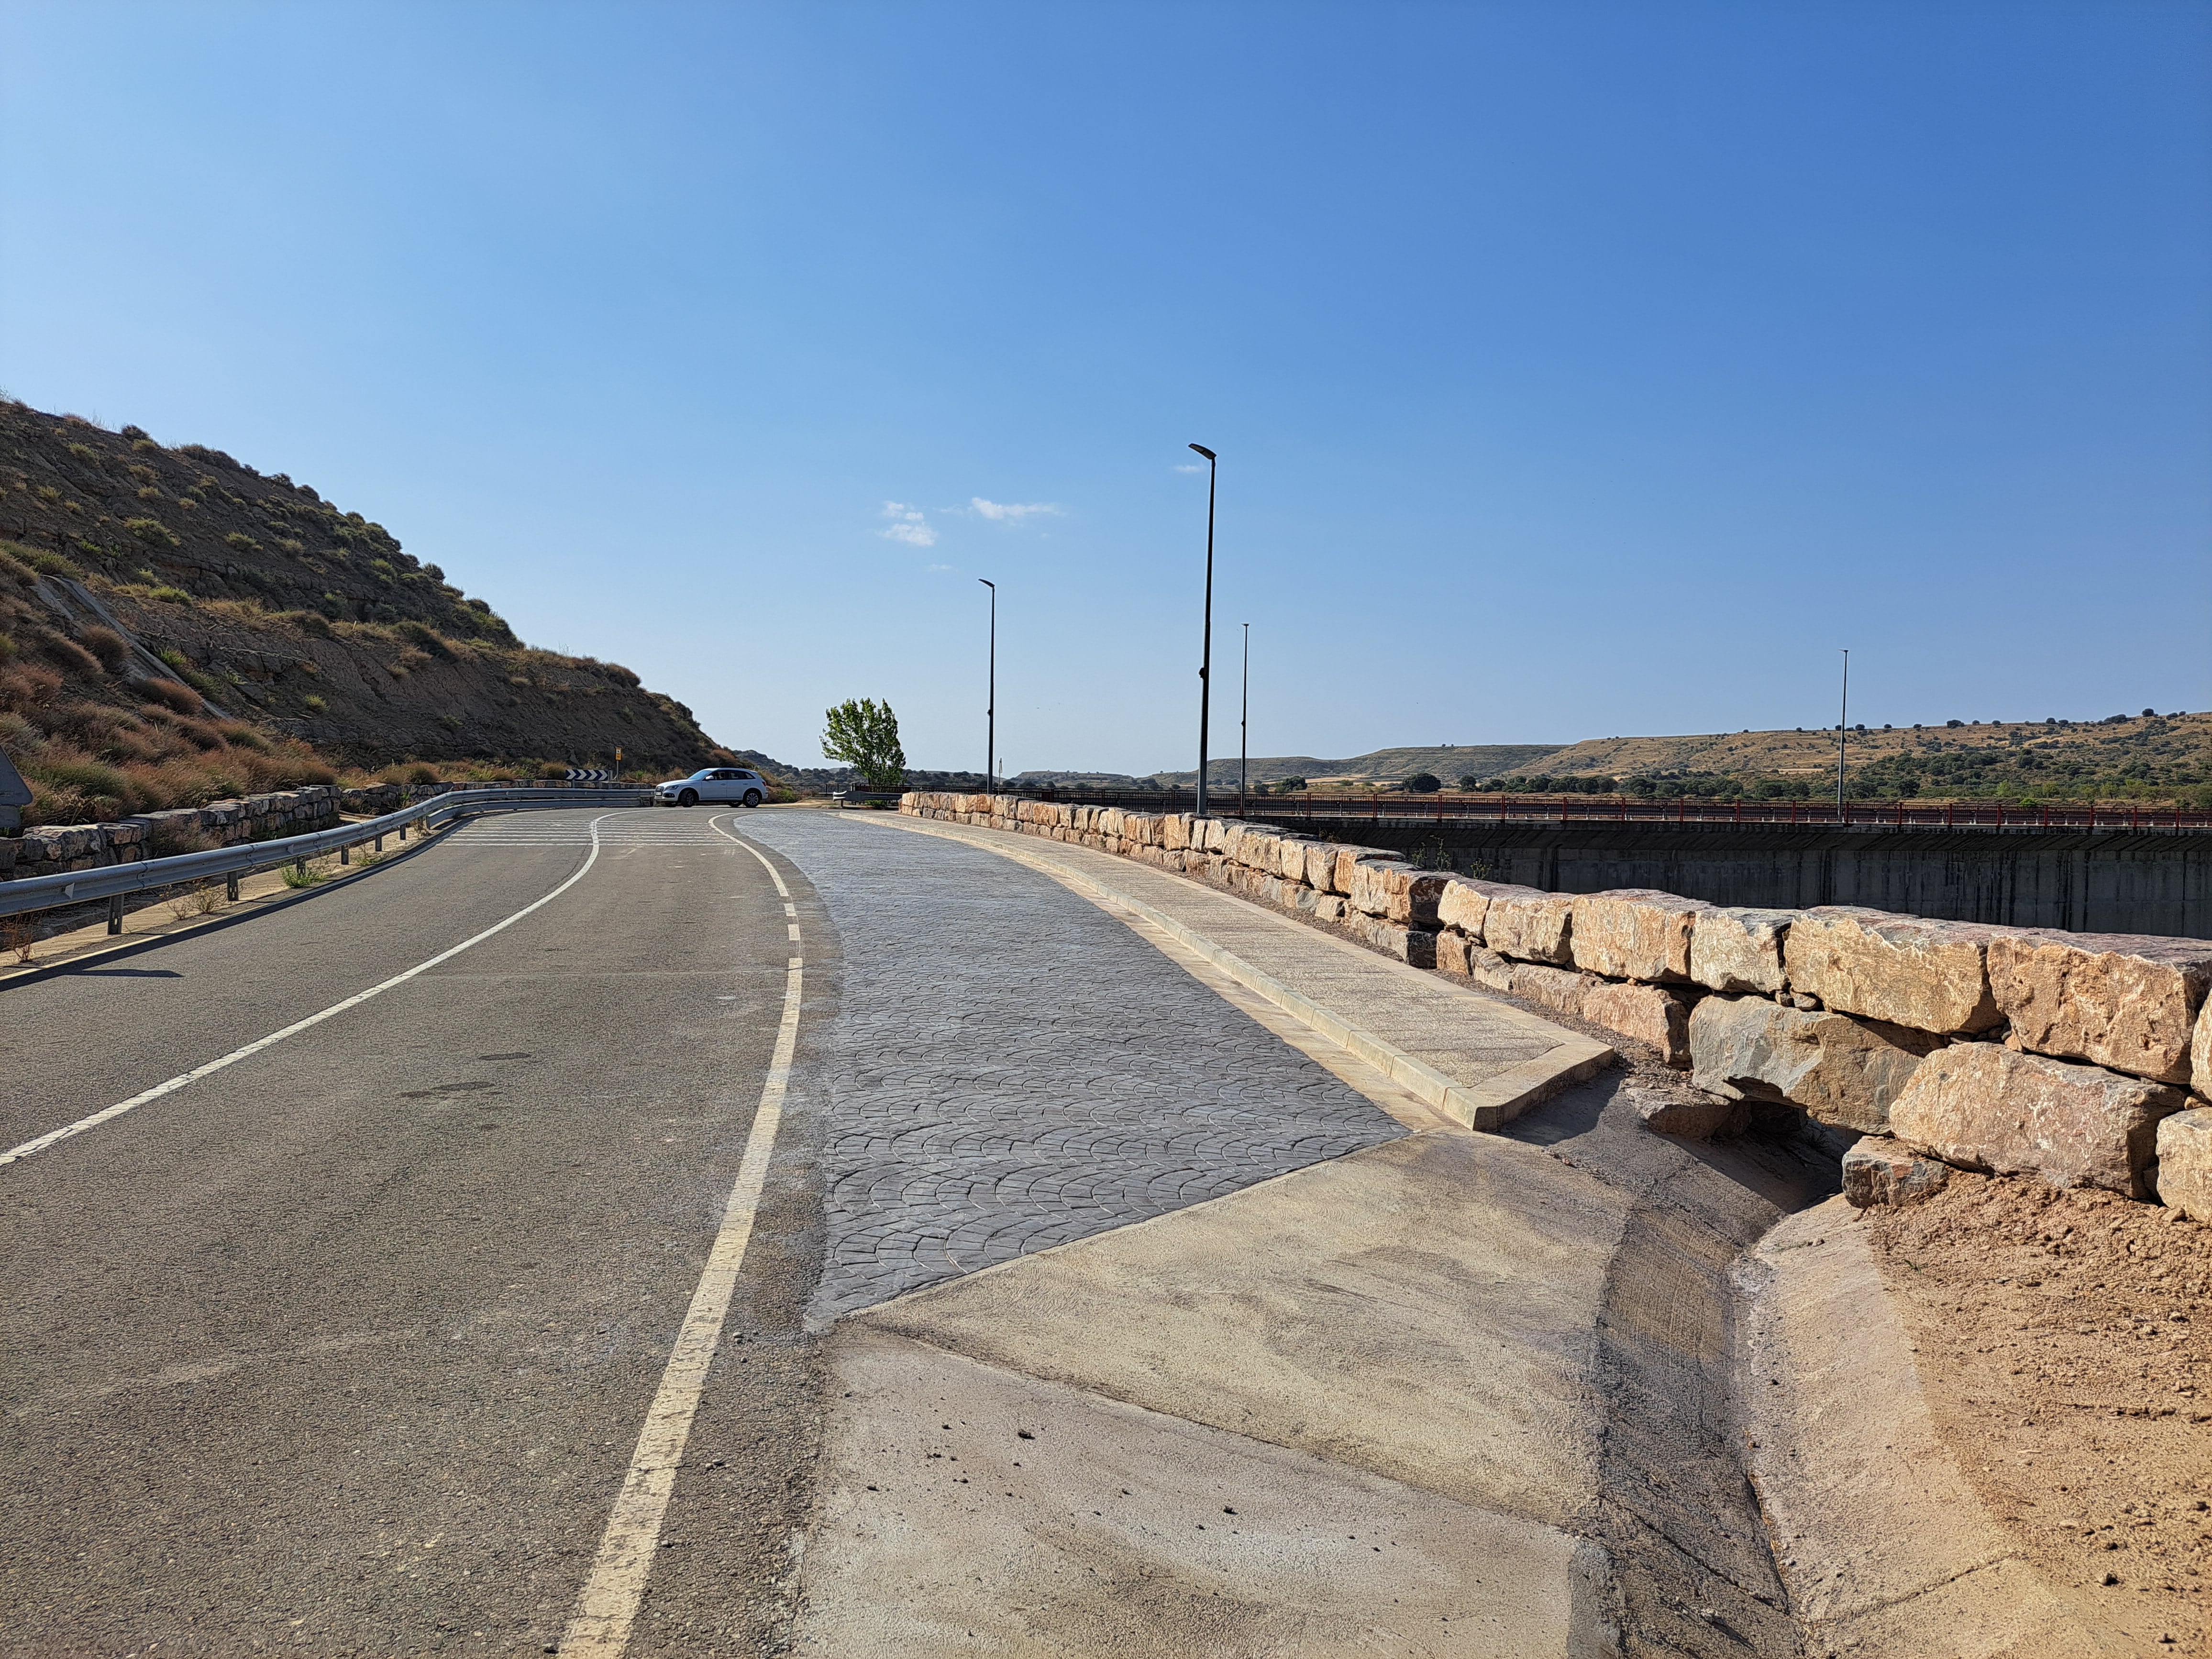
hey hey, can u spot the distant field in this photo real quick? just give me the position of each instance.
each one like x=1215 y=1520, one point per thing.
x=2143 y=758
x=1448 y=762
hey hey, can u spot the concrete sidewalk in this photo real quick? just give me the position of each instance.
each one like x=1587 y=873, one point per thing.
x=1480 y=1062
x=1453 y=1393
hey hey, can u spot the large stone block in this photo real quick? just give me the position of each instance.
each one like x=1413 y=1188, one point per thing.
x=1985 y=1107
x=1733 y=948
x=1347 y=858
x=1464 y=904
x=1368 y=890
x=2118 y=1001
x=1398 y=893
x=1839 y=1070
x=1648 y=1013
x=1635 y=934
x=1878 y=1170
x=1412 y=944
x=1908 y=970
x=1530 y=926
x=2185 y=1162
x=2200 y=1052
x=1175 y=831
x=1558 y=988
x=1320 y=860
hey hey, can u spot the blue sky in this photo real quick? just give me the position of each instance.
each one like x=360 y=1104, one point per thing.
x=1577 y=370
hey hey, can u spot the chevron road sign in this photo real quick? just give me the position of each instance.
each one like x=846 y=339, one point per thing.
x=590 y=774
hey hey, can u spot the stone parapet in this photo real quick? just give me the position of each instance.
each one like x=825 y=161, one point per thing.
x=2026 y=1051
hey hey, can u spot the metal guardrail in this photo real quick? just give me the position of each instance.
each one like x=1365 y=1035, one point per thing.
x=113 y=881
x=1682 y=812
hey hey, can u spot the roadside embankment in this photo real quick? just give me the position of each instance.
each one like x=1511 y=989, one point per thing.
x=2082 y=1060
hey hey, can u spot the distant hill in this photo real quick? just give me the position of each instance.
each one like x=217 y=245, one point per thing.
x=2139 y=758
x=2121 y=758
x=1448 y=761
x=175 y=627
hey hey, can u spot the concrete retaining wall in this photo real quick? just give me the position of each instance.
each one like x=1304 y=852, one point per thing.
x=2080 y=1059
x=2116 y=881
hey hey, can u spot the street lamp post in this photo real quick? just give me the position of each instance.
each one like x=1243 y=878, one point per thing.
x=1244 y=722
x=1205 y=660
x=991 y=697
x=1842 y=726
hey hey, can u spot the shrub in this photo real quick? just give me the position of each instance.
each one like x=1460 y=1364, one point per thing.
x=44 y=561
x=1423 y=783
x=451 y=722
x=110 y=647
x=426 y=637
x=7 y=647
x=176 y=658
x=315 y=704
x=169 y=595
x=242 y=541
x=153 y=532
x=170 y=693
x=72 y=656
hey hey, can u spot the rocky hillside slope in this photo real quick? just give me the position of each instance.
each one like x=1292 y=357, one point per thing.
x=175 y=626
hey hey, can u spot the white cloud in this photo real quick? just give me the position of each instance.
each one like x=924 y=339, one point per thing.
x=1011 y=512
x=1192 y=469
x=935 y=570
x=910 y=527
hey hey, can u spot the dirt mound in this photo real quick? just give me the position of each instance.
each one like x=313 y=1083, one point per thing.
x=2064 y=1349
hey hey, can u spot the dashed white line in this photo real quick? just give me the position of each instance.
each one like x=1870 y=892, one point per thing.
x=17 y=1154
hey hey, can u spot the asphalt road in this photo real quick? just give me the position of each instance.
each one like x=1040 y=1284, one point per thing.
x=345 y=1348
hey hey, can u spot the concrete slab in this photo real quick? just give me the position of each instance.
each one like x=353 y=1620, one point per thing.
x=1880 y=1536
x=977 y=1511
x=1422 y=1309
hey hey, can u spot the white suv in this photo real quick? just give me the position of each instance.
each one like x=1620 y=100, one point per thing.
x=726 y=783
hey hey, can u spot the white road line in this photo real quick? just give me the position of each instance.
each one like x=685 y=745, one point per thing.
x=608 y=1607
x=17 y=1154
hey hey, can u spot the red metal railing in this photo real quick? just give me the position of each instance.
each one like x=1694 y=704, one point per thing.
x=1682 y=812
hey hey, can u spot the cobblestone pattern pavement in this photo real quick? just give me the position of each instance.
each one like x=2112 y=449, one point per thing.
x=1011 y=1067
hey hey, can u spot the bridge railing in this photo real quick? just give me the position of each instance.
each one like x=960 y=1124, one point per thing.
x=1401 y=809
x=116 y=881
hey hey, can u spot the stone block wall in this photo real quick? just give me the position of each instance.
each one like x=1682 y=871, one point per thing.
x=59 y=849
x=2079 y=1059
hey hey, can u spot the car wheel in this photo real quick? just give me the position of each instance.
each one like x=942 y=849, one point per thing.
x=752 y=798
x=689 y=797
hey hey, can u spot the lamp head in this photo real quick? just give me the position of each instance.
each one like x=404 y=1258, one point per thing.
x=989 y=583
x=1204 y=450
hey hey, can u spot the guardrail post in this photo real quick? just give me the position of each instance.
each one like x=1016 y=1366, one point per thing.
x=379 y=845
x=300 y=868
x=345 y=855
x=231 y=889
x=115 y=913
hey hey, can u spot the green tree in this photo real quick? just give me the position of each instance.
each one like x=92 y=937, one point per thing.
x=865 y=735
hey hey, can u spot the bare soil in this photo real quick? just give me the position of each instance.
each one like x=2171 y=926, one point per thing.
x=2065 y=1347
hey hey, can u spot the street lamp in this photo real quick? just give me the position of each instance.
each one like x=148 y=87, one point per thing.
x=990 y=708
x=1244 y=721
x=1206 y=661
x=1843 y=725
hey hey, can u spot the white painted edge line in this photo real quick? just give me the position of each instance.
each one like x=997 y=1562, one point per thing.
x=1484 y=1106
x=600 y=1626
x=17 y=1154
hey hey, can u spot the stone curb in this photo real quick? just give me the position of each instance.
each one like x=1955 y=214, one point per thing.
x=1486 y=1106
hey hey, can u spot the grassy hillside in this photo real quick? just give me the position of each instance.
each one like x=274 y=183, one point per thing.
x=2144 y=758
x=175 y=627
